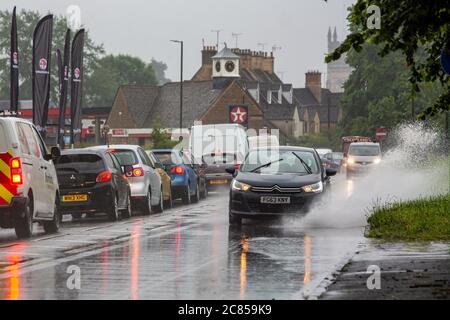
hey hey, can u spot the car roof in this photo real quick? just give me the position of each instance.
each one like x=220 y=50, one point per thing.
x=162 y=150
x=117 y=146
x=284 y=148
x=89 y=150
x=364 y=144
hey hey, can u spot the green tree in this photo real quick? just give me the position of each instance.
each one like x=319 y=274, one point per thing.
x=26 y=22
x=160 y=139
x=112 y=71
x=160 y=71
x=417 y=29
x=379 y=94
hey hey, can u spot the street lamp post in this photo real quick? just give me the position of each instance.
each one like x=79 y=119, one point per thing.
x=181 y=86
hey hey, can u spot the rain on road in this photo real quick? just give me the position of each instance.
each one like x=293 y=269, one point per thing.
x=188 y=252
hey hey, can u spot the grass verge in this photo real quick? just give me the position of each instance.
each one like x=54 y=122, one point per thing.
x=422 y=219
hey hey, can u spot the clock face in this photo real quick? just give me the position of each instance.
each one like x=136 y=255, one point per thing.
x=229 y=66
x=218 y=66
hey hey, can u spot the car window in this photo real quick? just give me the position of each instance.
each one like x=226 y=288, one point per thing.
x=23 y=142
x=144 y=158
x=109 y=161
x=116 y=162
x=168 y=158
x=35 y=149
x=79 y=163
x=3 y=140
x=41 y=143
x=126 y=157
x=364 y=150
x=281 y=161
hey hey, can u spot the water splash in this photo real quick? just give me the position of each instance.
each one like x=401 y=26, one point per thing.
x=416 y=166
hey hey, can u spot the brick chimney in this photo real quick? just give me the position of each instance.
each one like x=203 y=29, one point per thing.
x=313 y=81
x=207 y=53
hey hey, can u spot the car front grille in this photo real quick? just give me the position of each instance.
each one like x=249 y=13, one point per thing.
x=276 y=189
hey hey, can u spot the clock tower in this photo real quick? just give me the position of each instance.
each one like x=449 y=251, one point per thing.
x=225 y=67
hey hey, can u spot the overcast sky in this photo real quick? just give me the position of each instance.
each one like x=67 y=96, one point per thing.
x=144 y=28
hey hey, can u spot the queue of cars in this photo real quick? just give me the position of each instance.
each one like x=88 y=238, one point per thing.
x=41 y=186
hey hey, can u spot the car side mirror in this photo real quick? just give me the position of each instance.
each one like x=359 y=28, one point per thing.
x=231 y=170
x=330 y=172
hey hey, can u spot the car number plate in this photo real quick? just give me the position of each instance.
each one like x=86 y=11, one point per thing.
x=75 y=198
x=224 y=181
x=276 y=200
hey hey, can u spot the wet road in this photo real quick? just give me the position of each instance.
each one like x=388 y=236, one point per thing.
x=188 y=252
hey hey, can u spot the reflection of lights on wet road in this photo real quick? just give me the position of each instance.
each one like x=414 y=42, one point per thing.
x=14 y=283
x=307 y=259
x=243 y=275
x=105 y=265
x=349 y=188
x=135 y=263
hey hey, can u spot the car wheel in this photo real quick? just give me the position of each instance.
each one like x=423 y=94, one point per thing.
x=53 y=226
x=205 y=191
x=113 y=214
x=127 y=212
x=24 y=225
x=169 y=203
x=187 y=195
x=160 y=207
x=148 y=204
x=76 y=216
x=197 y=194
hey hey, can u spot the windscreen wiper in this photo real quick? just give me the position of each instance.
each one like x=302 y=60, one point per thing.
x=266 y=165
x=305 y=165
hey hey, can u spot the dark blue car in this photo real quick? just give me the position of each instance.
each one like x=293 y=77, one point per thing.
x=185 y=180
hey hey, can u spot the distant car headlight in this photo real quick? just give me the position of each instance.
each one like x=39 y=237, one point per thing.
x=315 y=188
x=350 y=161
x=377 y=161
x=240 y=186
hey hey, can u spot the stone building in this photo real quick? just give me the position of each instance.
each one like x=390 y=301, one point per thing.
x=337 y=71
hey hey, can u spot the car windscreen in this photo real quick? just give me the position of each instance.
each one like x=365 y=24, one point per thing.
x=224 y=158
x=364 y=150
x=168 y=158
x=280 y=161
x=126 y=157
x=79 y=163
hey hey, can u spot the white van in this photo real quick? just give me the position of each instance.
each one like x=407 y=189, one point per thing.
x=219 y=138
x=28 y=183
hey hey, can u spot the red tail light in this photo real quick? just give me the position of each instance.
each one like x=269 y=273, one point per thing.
x=237 y=166
x=104 y=176
x=16 y=171
x=177 y=170
x=138 y=172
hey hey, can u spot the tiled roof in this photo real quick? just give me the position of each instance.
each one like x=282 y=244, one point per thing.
x=139 y=100
x=197 y=98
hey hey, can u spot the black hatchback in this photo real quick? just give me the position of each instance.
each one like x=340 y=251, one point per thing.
x=276 y=180
x=92 y=181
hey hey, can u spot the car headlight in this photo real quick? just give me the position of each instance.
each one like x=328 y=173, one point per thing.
x=377 y=161
x=240 y=186
x=316 y=187
x=350 y=161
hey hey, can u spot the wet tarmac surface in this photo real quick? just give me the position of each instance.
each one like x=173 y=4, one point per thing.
x=188 y=252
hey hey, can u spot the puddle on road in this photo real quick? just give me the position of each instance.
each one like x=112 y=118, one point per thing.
x=406 y=172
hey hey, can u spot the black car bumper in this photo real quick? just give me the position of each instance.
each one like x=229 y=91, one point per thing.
x=248 y=204
x=10 y=212
x=99 y=200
